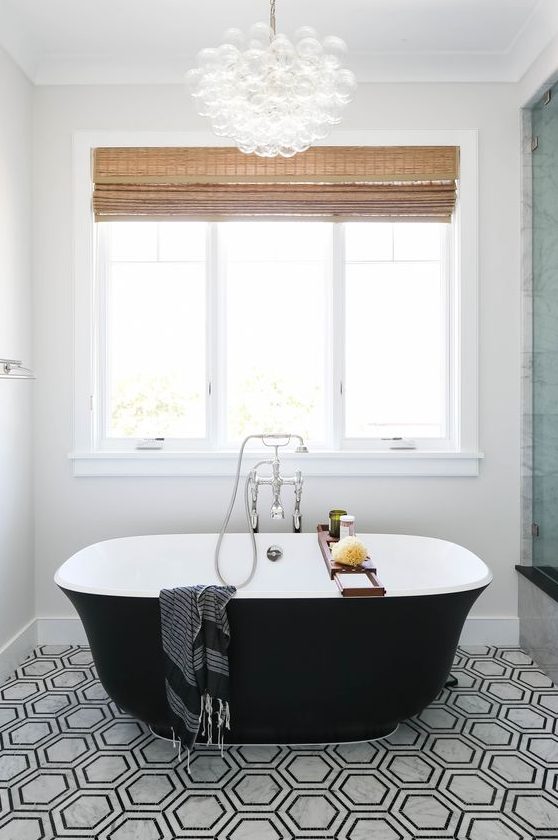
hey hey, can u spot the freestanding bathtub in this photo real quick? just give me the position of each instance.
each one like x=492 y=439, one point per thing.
x=307 y=665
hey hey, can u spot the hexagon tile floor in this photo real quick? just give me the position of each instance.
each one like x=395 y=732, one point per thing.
x=481 y=763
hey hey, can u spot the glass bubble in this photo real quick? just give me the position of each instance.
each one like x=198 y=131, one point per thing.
x=193 y=78
x=257 y=100
x=233 y=36
x=309 y=48
x=343 y=99
x=336 y=46
x=213 y=108
x=305 y=32
x=256 y=44
x=256 y=86
x=333 y=118
x=331 y=61
x=201 y=108
x=305 y=137
x=282 y=44
x=283 y=53
x=227 y=92
x=207 y=57
x=228 y=54
x=320 y=130
x=304 y=88
x=287 y=151
x=254 y=60
x=345 y=81
x=261 y=32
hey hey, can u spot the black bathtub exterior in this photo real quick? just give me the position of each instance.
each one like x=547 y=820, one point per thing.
x=303 y=670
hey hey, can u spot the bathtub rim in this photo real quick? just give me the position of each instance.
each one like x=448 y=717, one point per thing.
x=329 y=589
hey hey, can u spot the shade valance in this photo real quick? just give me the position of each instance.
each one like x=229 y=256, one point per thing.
x=334 y=182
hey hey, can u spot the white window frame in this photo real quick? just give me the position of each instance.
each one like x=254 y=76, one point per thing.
x=352 y=460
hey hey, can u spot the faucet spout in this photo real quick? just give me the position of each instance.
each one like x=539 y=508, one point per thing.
x=277 y=510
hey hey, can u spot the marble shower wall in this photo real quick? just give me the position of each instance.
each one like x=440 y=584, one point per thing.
x=539 y=626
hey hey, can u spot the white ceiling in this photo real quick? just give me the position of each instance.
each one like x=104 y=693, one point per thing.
x=155 y=41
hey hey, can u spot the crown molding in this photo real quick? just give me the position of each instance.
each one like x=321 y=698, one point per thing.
x=369 y=68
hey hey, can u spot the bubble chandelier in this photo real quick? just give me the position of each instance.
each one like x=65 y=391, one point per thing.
x=270 y=95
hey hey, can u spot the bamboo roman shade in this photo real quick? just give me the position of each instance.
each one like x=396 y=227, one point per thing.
x=337 y=182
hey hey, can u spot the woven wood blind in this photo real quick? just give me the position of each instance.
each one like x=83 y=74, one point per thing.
x=339 y=182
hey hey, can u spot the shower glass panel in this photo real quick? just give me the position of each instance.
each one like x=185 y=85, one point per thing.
x=545 y=334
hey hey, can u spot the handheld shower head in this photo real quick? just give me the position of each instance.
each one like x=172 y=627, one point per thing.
x=301 y=446
x=282 y=439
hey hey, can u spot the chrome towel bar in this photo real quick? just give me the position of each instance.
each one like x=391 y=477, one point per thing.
x=13 y=369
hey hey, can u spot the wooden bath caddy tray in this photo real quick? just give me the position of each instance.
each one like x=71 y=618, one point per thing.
x=366 y=585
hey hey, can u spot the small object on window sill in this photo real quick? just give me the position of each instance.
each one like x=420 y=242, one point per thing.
x=150 y=443
x=402 y=443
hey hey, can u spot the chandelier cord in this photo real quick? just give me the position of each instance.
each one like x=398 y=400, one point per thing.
x=272 y=22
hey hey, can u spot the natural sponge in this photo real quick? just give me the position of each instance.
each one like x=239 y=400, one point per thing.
x=349 y=551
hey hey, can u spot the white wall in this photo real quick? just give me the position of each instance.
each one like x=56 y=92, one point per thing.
x=481 y=513
x=16 y=525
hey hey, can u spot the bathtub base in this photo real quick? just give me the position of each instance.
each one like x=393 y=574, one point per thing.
x=166 y=735
x=302 y=670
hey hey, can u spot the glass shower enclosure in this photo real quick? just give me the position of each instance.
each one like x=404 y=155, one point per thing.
x=545 y=333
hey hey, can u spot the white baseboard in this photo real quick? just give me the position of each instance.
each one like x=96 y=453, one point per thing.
x=60 y=631
x=17 y=648
x=69 y=631
x=501 y=632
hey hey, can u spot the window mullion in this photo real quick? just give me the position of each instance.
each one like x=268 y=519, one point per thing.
x=214 y=349
x=338 y=335
x=451 y=335
x=102 y=372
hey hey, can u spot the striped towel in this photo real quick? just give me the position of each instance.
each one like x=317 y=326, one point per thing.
x=195 y=633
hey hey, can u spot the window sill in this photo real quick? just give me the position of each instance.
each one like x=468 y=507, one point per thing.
x=223 y=464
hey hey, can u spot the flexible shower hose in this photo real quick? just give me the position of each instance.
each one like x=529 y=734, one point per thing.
x=248 y=519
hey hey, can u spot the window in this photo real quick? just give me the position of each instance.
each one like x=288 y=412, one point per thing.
x=397 y=322
x=362 y=335
x=210 y=332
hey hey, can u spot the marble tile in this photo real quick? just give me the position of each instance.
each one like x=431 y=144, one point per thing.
x=428 y=812
x=545 y=386
x=481 y=763
x=200 y=812
x=136 y=828
x=539 y=624
x=258 y=789
x=377 y=827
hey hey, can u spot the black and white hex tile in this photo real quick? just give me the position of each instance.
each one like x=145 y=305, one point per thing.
x=480 y=763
